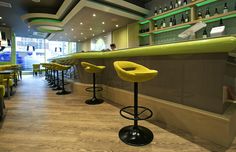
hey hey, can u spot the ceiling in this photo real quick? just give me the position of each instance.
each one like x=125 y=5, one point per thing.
x=113 y=12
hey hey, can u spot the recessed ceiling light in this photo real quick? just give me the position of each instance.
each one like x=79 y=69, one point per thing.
x=103 y=30
x=90 y=28
x=117 y=25
x=36 y=1
x=103 y=22
x=85 y=38
x=93 y=34
x=0 y=17
x=81 y=23
x=72 y=29
x=78 y=40
x=81 y=33
x=94 y=14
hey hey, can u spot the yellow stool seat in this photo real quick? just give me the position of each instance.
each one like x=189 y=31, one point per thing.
x=11 y=82
x=2 y=90
x=60 y=67
x=133 y=72
x=91 y=68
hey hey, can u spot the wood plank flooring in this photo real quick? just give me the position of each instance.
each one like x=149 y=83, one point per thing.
x=40 y=121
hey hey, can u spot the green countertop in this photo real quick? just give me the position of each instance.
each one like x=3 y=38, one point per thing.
x=215 y=45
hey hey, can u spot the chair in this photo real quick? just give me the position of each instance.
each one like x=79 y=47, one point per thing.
x=135 y=134
x=36 y=69
x=93 y=69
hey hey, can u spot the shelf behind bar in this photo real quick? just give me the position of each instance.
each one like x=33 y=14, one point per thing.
x=205 y=3
x=171 y=12
x=206 y=20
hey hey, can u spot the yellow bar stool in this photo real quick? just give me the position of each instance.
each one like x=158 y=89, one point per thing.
x=62 y=68
x=91 y=68
x=135 y=135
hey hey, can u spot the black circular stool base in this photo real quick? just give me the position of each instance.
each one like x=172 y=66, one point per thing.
x=57 y=88
x=138 y=136
x=94 y=101
x=63 y=92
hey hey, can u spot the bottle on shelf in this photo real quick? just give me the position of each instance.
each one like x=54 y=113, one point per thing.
x=225 y=8
x=187 y=19
x=216 y=11
x=164 y=23
x=179 y=3
x=199 y=14
x=221 y=22
x=165 y=9
x=185 y=2
x=204 y=34
x=155 y=12
x=174 y=21
x=155 y=26
x=160 y=10
x=182 y=18
x=208 y=14
x=171 y=5
x=171 y=22
x=176 y=4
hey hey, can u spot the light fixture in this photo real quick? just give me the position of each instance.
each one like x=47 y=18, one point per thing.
x=93 y=34
x=81 y=33
x=90 y=28
x=85 y=38
x=117 y=25
x=78 y=40
x=103 y=31
x=103 y=22
x=36 y=1
x=72 y=29
x=0 y=17
x=81 y=23
x=94 y=14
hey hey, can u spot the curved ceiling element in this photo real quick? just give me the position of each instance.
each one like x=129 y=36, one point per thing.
x=49 y=29
x=116 y=7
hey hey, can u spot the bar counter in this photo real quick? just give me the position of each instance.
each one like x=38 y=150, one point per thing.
x=190 y=73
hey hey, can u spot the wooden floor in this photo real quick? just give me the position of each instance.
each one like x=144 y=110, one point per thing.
x=40 y=121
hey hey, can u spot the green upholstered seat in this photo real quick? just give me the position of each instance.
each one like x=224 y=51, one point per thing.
x=2 y=90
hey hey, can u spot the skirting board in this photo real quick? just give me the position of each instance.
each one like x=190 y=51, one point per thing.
x=220 y=129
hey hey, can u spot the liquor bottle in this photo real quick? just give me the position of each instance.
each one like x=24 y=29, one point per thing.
x=199 y=14
x=176 y=4
x=185 y=2
x=216 y=11
x=164 y=23
x=171 y=22
x=160 y=10
x=221 y=22
x=171 y=5
x=182 y=19
x=155 y=12
x=207 y=13
x=225 y=8
x=155 y=26
x=187 y=19
x=179 y=2
x=165 y=9
x=204 y=34
x=174 y=21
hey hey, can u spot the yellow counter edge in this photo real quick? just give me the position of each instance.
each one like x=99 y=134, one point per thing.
x=216 y=45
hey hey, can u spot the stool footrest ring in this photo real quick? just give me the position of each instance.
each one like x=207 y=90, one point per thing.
x=97 y=89
x=130 y=110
